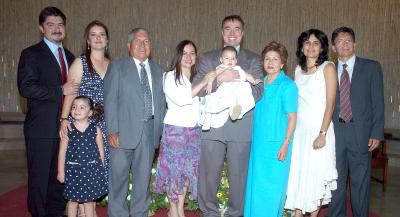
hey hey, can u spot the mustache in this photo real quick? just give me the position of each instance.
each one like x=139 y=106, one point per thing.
x=56 y=33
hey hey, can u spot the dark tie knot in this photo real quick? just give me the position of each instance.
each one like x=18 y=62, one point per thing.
x=345 y=66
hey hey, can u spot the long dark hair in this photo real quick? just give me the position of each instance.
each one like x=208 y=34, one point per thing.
x=322 y=38
x=98 y=110
x=176 y=61
x=86 y=48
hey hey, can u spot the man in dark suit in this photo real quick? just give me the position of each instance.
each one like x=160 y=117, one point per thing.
x=358 y=121
x=42 y=72
x=134 y=111
x=233 y=139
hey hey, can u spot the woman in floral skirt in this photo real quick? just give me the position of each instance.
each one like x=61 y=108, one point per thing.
x=179 y=157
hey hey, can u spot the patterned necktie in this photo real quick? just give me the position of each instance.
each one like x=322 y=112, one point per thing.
x=63 y=66
x=345 y=105
x=148 y=104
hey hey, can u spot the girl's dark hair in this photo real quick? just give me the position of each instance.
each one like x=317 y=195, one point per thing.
x=86 y=48
x=176 y=61
x=322 y=38
x=98 y=110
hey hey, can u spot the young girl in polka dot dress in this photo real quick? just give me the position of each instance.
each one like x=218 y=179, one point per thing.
x=81 y=159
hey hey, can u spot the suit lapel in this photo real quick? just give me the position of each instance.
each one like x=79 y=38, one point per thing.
x=155 y=82
x=355 y=79
x=54 y=66
x=356 y=71
x=132 y=69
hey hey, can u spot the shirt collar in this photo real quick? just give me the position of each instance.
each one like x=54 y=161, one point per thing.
x=53 y=46
x=278 y=80
x=350 y=63
x=236 y=47
x=137 y=62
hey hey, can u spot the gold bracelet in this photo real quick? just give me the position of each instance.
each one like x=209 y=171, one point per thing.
x=63 y=119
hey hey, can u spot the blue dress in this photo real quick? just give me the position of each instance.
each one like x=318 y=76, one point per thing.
x=267 y=176
x=92 y=86
x=84 y=173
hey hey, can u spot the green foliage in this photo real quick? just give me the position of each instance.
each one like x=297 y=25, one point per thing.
x=161 y=201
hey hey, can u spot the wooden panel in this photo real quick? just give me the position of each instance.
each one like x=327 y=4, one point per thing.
x=376 y=24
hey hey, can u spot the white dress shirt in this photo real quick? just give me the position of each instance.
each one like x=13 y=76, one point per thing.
x=183 y=109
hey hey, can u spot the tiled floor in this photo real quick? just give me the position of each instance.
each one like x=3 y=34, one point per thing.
x=13 y=174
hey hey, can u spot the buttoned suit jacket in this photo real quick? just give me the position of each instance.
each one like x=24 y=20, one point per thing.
x=124 y=102
x=239 y=130
x=367 y=102
x=40 y=81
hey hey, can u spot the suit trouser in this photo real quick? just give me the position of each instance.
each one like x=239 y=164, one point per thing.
x=45 y=193
x=211 y=164
x=353 y=160
x=139 y=162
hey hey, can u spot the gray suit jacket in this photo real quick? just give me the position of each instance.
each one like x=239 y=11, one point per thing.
x=367 y=102
x=124 y=105
x=239 y=130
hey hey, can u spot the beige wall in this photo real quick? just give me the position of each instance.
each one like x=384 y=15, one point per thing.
x=376 y=24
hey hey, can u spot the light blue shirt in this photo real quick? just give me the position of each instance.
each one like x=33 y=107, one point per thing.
x=350 y=67
x=54 y=49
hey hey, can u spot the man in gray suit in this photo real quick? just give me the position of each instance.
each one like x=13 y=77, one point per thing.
x=233 y=139
x=358 y=121
x=134 y=110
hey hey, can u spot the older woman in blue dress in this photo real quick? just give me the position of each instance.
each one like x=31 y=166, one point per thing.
x=273 y=127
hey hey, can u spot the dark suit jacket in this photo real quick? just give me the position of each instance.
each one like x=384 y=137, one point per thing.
x=39 y=80
x=124 y=104
x=367 y=102
x=239 y=130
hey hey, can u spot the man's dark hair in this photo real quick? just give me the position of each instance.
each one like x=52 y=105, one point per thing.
x=343 y=29
x=232 y=18
x=51 y=11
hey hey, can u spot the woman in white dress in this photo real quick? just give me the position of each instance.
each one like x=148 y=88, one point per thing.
x=313 y=171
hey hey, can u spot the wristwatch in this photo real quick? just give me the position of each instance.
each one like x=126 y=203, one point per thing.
x=63 y=119
x=322 y=132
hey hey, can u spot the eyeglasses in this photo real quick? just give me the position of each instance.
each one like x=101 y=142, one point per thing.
x=344 y=42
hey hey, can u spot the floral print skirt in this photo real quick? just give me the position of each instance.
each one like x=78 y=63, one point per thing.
x=178 y=161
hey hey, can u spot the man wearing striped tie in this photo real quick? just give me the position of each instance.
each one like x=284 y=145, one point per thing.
x=358 y=121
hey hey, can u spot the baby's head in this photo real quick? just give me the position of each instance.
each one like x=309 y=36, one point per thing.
x=228 y=56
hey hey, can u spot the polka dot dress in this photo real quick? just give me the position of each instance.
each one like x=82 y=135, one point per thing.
x=92 y=86
x=84 y=174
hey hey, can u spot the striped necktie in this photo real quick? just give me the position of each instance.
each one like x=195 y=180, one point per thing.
x=345 y=105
